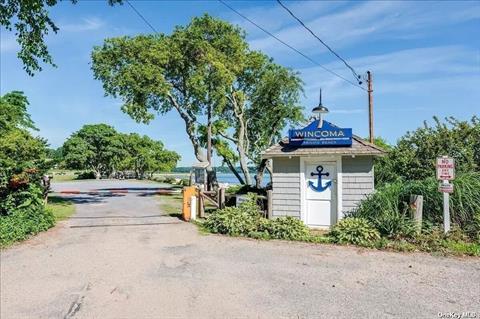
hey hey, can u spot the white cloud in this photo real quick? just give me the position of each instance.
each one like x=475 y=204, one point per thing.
x=87 y=24
x=418 y=72
x=368 y=21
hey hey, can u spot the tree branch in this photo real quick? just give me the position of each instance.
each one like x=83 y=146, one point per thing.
x=234 y=140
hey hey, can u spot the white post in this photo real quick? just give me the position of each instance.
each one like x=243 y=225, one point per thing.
x=193 y=207
x=446 y=211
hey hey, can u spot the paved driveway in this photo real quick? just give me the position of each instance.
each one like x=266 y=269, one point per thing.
x=118 y=257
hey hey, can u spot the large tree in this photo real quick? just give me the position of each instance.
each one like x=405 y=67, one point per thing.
x=144 y=155
x=261 y=102
x=187 y=71
x=19 y=149
x=96 y=147
x=205 y=72
x=23 y=157
x=32 y=22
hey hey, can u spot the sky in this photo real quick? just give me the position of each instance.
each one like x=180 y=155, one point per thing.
x=424 y=57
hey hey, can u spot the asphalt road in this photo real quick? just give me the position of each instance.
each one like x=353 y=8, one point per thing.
x=119 y=257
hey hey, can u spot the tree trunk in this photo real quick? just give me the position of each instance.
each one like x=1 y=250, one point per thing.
x=241 y=150
x=190 y=121
x=234 y=171
x=260 y=173
x=211 y=175
x=244 y=166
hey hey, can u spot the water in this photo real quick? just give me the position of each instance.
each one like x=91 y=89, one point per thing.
x=228 y=178
x=232 y=180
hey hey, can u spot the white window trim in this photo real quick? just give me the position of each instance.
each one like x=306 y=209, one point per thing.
x=339 y=184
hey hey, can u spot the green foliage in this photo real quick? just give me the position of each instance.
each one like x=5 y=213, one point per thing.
x=61 y=208
x=32 y=23
x=206 y=72
x=288 y=228
x=255 y=127
x=23 y=214
x=235 y=221
x=246 y=220
x=14 y=112
x=55 y=155
x=386 y=211
x=19 y=150
x=145 y=156
x=85 y=175
x=413 y=158
x=353 y=230
x=388 y=207
x=103 y=150
x=96 y=147
x=22 y=162
x=463 y=248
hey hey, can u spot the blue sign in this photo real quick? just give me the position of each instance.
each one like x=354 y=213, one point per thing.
x=326 y=135
x=319 y=187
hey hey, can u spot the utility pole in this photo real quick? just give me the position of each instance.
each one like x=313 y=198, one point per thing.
x=370 y=105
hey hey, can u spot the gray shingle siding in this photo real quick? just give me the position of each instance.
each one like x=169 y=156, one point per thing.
x=357 y=180
x=286 y=187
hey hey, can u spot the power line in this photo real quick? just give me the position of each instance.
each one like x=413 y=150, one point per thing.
x=289 y=46
x=141 y=16
x=321 y=41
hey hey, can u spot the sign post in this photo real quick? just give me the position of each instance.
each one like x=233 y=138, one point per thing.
x=446 y=173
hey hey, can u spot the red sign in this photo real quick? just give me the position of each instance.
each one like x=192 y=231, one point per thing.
x=445 y=168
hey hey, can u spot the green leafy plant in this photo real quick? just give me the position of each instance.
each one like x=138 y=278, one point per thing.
x=353 y=230
x=23 y=160
x=24 y=215
x=388 y=207
x=85 y=175
x=235 y=221
x=288 y=228
x=246 y=220
x=413 y=158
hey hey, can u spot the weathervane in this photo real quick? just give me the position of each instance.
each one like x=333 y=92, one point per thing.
x=320 y=110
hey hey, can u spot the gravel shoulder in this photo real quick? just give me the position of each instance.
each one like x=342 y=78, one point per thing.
x=120 y=257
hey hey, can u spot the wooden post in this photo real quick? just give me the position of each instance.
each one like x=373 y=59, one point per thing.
x=370 y=105
x=221 y=197
x=201 y=205
x=416 y=204
x=269 y=204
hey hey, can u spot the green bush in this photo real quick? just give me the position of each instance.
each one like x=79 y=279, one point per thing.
x=473 y=229
x=247 y=220
x=235 y=221
x=353 y=230
x=85 y=175
x=25 y=215
x=388 y=207
x=288 y=228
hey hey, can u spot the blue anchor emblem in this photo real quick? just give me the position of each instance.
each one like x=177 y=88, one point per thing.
x=319 y=187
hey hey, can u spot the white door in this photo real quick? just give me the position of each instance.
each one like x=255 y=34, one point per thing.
x=320 y=193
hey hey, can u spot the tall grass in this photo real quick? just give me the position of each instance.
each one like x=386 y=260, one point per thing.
x=388 y=207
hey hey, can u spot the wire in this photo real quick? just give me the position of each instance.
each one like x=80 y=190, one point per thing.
x=289 y=46
x=321 y=41
x=141 y=16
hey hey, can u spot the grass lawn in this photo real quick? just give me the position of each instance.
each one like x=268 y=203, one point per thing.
x=62 y=208
x=171 y=204
x=62 y=175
